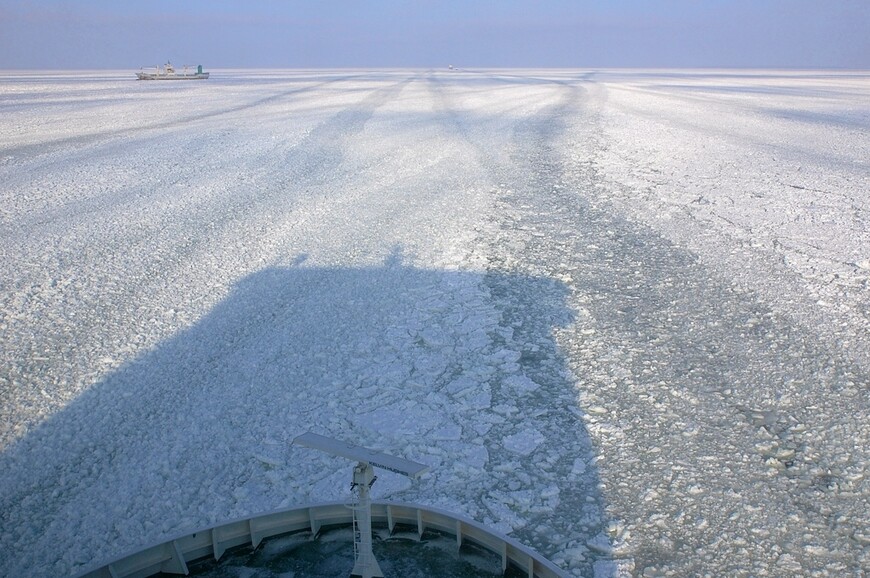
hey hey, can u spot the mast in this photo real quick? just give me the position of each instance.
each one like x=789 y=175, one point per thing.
x=365 y=565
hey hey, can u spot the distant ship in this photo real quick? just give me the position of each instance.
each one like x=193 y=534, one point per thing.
x=168 y=72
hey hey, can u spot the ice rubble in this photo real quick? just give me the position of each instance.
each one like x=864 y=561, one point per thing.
x=622 y=315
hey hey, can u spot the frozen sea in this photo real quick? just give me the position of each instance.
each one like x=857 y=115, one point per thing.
x=624 y=315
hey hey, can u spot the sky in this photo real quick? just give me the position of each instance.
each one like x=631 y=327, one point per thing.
x=121 y=34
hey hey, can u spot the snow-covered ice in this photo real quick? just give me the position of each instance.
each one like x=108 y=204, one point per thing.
x=623 y=315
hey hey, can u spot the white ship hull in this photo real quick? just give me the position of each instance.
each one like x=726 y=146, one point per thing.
x=168 y=72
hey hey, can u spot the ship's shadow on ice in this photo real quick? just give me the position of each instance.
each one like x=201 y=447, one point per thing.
x=457 y=370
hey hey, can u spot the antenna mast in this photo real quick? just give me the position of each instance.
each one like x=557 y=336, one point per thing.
x=365 y=565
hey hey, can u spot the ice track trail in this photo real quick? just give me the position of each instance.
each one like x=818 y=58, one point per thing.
x=470 y=269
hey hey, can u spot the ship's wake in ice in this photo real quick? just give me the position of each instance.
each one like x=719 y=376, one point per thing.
x=623 y=316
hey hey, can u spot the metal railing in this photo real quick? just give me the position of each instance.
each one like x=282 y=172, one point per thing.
x=171 y=556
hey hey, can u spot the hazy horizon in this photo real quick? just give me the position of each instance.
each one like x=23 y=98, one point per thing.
x=713 y=34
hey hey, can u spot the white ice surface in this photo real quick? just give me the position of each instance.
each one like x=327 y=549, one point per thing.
x=622 y=314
